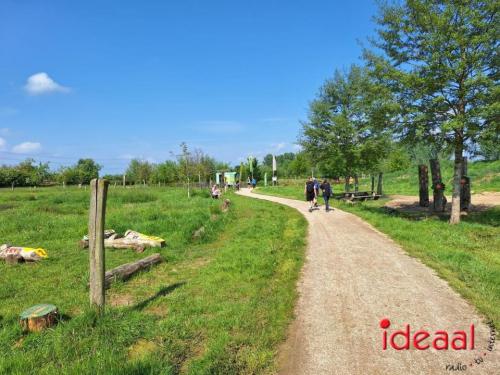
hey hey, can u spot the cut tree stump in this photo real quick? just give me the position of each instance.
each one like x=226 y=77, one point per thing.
x=225 y=205
x=38 y=317
x=125 y=271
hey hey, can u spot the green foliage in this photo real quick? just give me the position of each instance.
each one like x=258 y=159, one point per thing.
x=345 y=131
x=441 y=61
x=139 y=171
x=26 y=173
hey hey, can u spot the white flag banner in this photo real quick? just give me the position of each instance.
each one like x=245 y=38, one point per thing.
x=274 y=163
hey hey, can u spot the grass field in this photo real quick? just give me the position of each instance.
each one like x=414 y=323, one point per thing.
x=466 y=255
x=218 y=305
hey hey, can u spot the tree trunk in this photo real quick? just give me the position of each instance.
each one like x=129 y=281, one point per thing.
x=373 y=183
x=439 y=200
x=356 y=183
x=423 y=178
x=379 y=184
x=455 y=203
x=347 y=187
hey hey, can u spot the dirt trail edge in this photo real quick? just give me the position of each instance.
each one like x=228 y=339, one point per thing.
x=353 y=277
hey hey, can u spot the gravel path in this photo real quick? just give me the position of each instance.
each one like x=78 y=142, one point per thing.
x=352 y=278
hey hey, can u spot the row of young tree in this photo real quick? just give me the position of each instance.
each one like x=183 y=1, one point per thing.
x=430 y=79
x=187 y=167
x=32 y=173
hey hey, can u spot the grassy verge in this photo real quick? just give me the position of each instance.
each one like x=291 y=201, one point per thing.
x=466 y=255
x=219 y=304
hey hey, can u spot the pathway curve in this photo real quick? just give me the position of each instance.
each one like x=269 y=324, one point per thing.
x=352 y=278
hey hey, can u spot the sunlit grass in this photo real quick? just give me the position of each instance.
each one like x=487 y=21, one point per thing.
x=219 y=304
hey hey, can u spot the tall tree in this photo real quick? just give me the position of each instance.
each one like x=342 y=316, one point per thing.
x=441 y=59
x=345 y=131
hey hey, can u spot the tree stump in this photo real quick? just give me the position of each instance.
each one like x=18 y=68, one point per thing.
x=438 y=187
x=423 y=178
x=38 y=317
x=225 y=205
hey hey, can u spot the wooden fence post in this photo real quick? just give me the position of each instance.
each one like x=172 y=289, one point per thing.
x=97 y=214
x=465 y=193
x=379 y=184
x=439 y=199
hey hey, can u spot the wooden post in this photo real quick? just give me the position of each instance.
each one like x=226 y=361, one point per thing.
x=356 y=183
x=439 y=200
x=373 y=184
x=97 y=214
x=379 y=184
x=423 y=179
x=347 y=186
x=465 y=193
x=124 y=181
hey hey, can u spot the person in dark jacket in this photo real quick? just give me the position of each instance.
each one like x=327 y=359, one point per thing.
x=310 y=193
x=327 y=193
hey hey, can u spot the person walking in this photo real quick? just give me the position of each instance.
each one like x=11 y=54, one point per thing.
x=249 y=182
x=254 y=183
x=310 y=193
x=327 y=193
x=316 y=192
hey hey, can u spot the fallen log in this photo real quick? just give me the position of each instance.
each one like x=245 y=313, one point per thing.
x=125 y=271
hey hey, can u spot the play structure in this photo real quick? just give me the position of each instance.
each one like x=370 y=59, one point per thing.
x=222 y=178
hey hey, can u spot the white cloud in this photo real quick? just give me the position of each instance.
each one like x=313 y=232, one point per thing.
x=41 y=83
x=2 y=143
x=278 y=146
x=27 y=148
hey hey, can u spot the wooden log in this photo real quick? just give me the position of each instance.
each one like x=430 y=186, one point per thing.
x=423 y=179
x=438 y=187
x=97 y=214
x=119 y=243
x=465 y=191
x=38 y=317
x=125 y=271
x=379 y=184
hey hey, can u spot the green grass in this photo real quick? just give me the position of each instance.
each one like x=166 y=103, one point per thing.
x=218 y=305
x=466 y=255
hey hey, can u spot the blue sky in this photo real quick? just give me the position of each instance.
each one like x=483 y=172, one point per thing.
x=114 y=80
